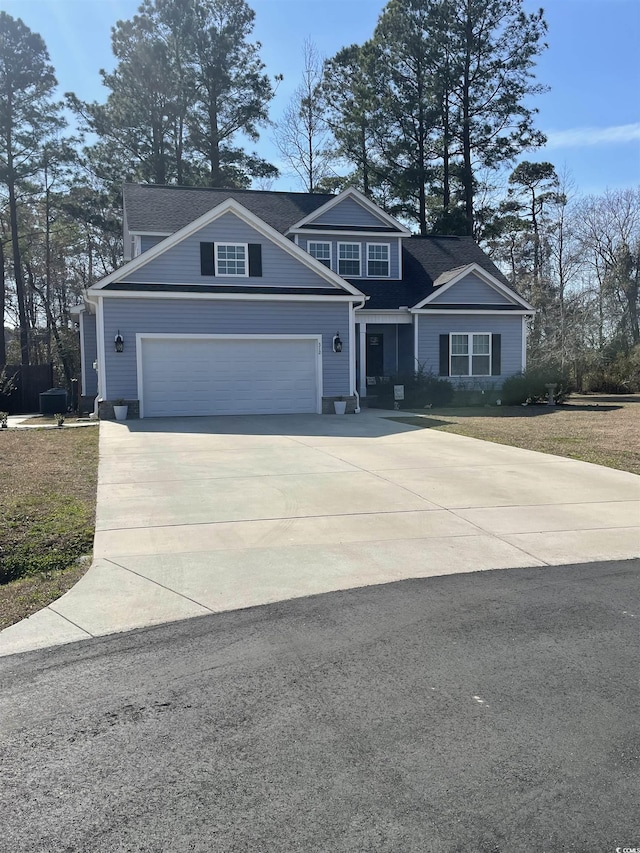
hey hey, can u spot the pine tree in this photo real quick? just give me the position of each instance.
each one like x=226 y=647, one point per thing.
x=28 y=118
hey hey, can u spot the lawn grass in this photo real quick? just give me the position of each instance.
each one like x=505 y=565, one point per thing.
x=48 y=484
x=594 y=428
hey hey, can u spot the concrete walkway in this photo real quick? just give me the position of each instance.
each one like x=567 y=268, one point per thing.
x=201 y=515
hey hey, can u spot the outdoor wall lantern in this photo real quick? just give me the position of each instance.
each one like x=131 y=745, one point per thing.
x=119 y=342
x=337 y=343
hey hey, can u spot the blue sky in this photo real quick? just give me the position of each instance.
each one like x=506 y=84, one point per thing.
x=591 y=115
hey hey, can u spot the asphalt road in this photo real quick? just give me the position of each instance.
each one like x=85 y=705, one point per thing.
x=480 y=713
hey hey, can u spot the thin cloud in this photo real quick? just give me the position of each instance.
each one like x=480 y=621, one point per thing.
x=578 y=137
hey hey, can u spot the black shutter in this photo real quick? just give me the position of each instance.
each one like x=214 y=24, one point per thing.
x=207 y=266
x=496 y=347
x=444 y=355
x=255 y=259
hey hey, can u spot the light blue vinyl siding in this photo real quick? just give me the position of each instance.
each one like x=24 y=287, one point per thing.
x=181 y=263
x=392 y=242
x=473 y=291
x=147 y=242
x=349 y=212
x=90 y=383
x=510 y=328
x=202 y=317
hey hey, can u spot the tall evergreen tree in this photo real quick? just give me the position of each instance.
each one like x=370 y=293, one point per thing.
x=28 y=118
x=446 y=87
x=187 y=84
x=232 y=91
x=495 y=44
x=349 y=87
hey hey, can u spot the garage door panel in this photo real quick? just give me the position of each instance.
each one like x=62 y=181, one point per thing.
x=191 y=376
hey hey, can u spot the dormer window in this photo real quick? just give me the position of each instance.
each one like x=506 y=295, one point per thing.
x=231 y=259
x=321 y=252
x=378 y=260
x=349 y=259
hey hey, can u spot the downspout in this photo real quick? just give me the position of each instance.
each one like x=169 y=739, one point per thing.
x=98 y=398
x=355 y=390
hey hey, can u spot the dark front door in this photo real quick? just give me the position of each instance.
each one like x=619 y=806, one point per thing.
x=375 y=355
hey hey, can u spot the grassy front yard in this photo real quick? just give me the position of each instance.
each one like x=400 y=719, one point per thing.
x=595 y=428
x=48 y=484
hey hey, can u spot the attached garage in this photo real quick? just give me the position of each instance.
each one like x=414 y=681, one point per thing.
x=228 y=374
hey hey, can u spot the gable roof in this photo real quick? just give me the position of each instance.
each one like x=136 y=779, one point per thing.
x=229 y=205
x=387 y=222
x=447 y=280
x=155 y=209
x=428 y=263
x=425 y=261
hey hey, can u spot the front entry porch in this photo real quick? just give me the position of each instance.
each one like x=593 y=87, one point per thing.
x=384 y=348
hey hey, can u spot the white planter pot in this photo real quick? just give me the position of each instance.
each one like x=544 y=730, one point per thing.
x=120 y=412
x=340 y=406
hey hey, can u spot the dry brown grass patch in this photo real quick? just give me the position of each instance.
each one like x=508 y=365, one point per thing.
x=594 y=428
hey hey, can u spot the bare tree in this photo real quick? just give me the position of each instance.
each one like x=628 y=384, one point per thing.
x=610 y=240
x=302 y=135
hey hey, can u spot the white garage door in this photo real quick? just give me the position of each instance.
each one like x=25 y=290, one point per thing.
x=228 y=376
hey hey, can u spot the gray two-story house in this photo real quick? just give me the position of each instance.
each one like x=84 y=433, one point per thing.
x=255 y=302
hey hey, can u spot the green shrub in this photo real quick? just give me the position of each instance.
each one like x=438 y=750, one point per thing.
x=531 y=386
x=619 y=375
x=420 y=389
x=473 y=391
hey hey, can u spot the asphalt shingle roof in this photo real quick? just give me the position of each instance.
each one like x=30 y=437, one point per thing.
x=161 y=209
x=425 y=260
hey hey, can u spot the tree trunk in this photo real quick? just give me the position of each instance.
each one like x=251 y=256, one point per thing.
x=632 y=292
x=214 y=144
x=66 y=367
x=365 y=163
x=3 y=296
x=446 y=179
x=467 y=170
x=422 y=201
x=47 y=213
x=17 y=265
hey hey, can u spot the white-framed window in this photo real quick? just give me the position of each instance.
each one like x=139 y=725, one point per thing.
x=470 y=354
x=321 y=252
x=378 y=260
x=231 y=259
x=349 y=259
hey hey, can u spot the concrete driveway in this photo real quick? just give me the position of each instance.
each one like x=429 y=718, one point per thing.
x=200 y=515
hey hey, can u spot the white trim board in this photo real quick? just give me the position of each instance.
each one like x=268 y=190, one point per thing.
x=434 y=312
x=371 y=316
x=228 y=297
x=101 y=353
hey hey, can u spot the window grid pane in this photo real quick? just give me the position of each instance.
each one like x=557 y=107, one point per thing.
x=459 y=365
x=459 y=345
x=349 y=259
x=321 y=252
x=481 y=344
x=350 y=251
x=378 y=259
x=480 y=365
x=379 y=268
x=231 y=260
x=378 y=252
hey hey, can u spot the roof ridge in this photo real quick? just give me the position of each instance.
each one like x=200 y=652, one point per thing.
x=226 y=189
x=440 y=237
